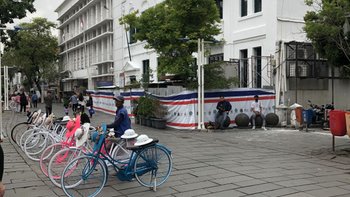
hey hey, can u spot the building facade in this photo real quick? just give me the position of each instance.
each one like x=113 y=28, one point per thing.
x=265 y=38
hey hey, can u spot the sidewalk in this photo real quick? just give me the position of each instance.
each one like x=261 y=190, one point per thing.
x=238 y=162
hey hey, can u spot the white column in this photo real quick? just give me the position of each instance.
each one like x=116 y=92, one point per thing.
x=1 y=130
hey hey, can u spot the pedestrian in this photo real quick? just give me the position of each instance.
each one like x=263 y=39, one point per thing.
x=256 y=108
x=48 y=103
x=90 y=105
x=23 y=102
x=35 y=100
x=73 y=100
x=223 y=107
x=81 y=101
x=121 y=120
x=66 y=110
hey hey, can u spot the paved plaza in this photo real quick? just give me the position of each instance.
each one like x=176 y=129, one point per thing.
x=236 y=162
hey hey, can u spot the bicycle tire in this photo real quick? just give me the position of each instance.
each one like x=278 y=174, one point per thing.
x=120 y=153
x=47 y=154
x=25 y=135
x=59 y=161
x=44 y=140
x=150 y=163
x=16 y=130
x=80 y=183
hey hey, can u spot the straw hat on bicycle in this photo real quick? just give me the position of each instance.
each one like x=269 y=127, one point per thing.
x=142 y=140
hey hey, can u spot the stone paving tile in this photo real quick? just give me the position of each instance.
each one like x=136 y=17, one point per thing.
x=250 y=183
x=280 y=192
x=194 y=186
x=148 y=193
x=303 y=188
x=229 y=193
x=234 y=179
x=259 y=188
x=198 y=192
x=326 y=192
x=332 y=184
x=301 y=194
x=295 y=182
x=222 y=188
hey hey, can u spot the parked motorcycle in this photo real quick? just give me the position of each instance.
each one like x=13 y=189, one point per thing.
x=321 y=114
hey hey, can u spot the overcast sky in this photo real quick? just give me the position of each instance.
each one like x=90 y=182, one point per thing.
x=45 y=9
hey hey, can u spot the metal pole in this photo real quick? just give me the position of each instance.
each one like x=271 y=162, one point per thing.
x=1 y=130
x=6 y=88
x=202 y=81
x=199 y=84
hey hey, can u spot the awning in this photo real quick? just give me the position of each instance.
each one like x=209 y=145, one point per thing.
x=131 y=66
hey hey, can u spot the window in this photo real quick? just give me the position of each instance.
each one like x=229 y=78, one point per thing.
x=244 y=7
x=132 y=32
x=257 y=68
x=219 y=3
x=257 y=6
x=244 y=68
x=145 y=71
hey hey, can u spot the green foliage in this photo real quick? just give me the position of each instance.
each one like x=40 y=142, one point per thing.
x=34 y=51
x=163 y=25
x=150 y=107
x=325 y=28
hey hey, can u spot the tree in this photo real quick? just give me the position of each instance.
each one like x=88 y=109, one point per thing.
x=11 y=9
x=34 y=51
x=324 y=26
x=163 y=26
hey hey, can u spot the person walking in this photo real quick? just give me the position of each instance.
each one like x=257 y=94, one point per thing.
x=121 y=120
x=23 y=102
x=35 y=100
x=48 y=99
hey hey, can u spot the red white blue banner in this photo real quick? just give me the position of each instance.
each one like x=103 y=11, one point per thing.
x=182 y=107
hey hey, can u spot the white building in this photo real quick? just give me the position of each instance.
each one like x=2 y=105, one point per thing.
x=265 y=37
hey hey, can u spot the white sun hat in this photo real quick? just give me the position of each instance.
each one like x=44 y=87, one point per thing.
x=65 y=118
x=129 y=134
x=81 y=134
x=142 y=140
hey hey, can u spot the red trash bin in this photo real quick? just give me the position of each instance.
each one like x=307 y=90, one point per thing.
x=337 y=122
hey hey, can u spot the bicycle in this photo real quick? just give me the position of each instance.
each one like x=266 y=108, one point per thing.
x=150 y=160
x=21 y=127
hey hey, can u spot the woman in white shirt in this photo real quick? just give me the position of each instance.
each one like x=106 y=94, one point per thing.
x=256 y=108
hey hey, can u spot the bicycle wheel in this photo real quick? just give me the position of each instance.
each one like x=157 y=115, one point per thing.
x=18 y=130
x=152 y=166
x=59 y=161
x=47 y=154
x=84 y=176
x=25 y=135
x=36 y=143
x=120 y=153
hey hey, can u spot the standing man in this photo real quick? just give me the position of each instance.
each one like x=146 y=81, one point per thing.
x=121 y=121
x=35 y=100
x=23 y=102
x=256 y=108
x=74 y=101
x=48 y=103
x=223 y=107
x=90 y=105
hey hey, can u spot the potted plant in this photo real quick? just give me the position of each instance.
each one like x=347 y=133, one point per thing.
x=145 y=110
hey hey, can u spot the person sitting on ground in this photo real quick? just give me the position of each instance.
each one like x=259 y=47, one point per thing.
x=256 y=108
x=223 y=107
x=121 y=120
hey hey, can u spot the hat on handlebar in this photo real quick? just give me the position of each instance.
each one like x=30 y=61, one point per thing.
x=129 y=134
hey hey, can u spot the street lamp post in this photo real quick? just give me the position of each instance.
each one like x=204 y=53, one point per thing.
x=200 y=76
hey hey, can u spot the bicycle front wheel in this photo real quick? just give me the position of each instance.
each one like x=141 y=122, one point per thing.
x=84 y=176
x=47 y=154
x=59 y=161
x=18 y=130
x=152 y=166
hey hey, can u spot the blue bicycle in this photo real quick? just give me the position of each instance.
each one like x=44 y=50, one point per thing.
x=149 y=164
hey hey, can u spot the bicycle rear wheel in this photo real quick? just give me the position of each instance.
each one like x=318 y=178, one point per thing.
x=59 y=161
x=87 y=179
x=18 y=130
x=47 y=154
x=152 y=166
